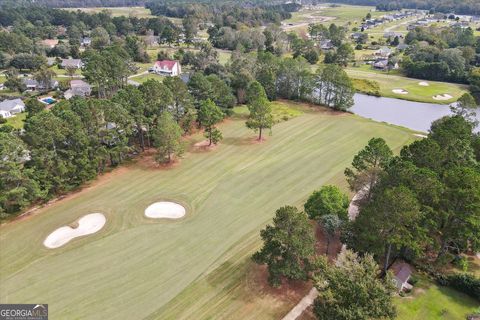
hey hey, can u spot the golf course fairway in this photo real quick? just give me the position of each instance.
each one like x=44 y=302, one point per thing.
x=141 y=268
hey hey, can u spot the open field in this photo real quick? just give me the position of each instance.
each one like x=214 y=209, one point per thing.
x=388 y=82
x=198 y=266
x=139 y=12
x=430 y=301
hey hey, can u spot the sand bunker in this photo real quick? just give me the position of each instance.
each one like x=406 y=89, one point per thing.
x=400 y=91
x=165 y=209
x=87 y=224
x=423 y=84
x=444 y=96
x=420 y=135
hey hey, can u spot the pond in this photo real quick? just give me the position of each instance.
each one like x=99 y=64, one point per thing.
x=414 y=115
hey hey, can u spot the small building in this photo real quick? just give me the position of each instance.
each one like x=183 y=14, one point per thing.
x=380 y=64
x=392 y=35
x=402 y=273
x=71 y=63
x=78 y=88
x=383 y=52
x=9 y=108
x=50 y=43
x=86 y=41
x=169 y=68
x=34 y=85
x=326 y=45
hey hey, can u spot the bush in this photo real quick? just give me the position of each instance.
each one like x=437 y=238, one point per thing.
x=413 y=280
x=465 y=283
x=2 y=120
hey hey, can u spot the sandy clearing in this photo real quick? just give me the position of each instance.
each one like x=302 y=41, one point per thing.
x=442 y=97
x=423 y=84
x=400 y=91
x=87 y=224
x=165 y=209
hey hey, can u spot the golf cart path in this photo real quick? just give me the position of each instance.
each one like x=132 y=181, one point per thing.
x=312 y=295
x=302 y=305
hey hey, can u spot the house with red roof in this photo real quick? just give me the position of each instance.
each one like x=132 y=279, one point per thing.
x=169 y=68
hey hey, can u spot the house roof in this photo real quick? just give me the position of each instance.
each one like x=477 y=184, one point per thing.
x=8 y=105
x=402 y=272
x=49 y=42
x=78 y=83
x=166 y=64
x=71 y=62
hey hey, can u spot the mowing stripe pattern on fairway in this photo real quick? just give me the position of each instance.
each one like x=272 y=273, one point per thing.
x=135 y=266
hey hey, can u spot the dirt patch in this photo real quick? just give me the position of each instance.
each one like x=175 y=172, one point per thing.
x=147 y=161
x=289 y=291
x=204 y=145
x=334 y=247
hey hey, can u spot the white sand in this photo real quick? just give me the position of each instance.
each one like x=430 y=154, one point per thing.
x=420 y=135
x=444 y=96
x=87 y=224
x=165 y=209
x=400 y=91
x=423 y=84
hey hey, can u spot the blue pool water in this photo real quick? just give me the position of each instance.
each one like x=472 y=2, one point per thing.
x=48 y=100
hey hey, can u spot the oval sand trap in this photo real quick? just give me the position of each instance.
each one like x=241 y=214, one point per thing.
x=165 y=209
x=444 y=96
x=400 y=91
x=87 y=224
x=423 y=84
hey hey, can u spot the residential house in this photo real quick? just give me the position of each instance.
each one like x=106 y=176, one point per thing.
x=392 y=35
x=402 y=273
x=326 y=45
x=71 y=63
x=34 y=85
x=170 y=68
x=9 y=108
x=86 y=41
x=383 y=64
x=384 y=52
x=357 y=35
x=402 y=46
x=78 y=88
x=49 y=43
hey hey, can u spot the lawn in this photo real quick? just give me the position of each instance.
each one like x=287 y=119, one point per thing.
x=430 y=301
x=17 y=121
x=144 y=77
x=388 y=82
x=139 y=12
x=197 y=267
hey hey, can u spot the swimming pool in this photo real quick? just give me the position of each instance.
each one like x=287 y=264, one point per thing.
x=48 y=100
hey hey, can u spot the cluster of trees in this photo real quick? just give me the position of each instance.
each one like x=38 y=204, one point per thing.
x=445 y=54
x=226 y=13
x=424 y=204
x=289 y=252
x=60 y=149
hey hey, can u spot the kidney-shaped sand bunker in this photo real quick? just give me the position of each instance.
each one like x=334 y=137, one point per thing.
x=165 y=209
x=87 y=224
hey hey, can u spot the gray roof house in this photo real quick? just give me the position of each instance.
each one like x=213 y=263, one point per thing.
x=326 y=45
x=402 y=273
x=8 y=108
x=34 y=85
x=72 y=63
x=78 y=88
x=384 y=52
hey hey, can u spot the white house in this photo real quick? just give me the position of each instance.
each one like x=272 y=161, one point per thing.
x=167 y=68
x=9 y=108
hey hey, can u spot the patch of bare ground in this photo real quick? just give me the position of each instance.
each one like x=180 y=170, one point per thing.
x=204 y=145
x=147 y=161
x=334 y=247
x=290 y=291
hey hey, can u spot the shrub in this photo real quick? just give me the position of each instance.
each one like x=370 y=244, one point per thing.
x=465 y=283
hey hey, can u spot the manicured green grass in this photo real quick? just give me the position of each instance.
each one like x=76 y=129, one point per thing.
x=144 y=77
x=430 y=301
x=17 y=121
x=197 y=267
x=389 y=82
x=139 y=12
